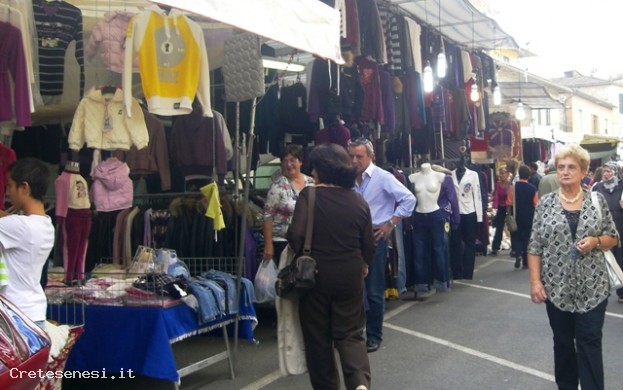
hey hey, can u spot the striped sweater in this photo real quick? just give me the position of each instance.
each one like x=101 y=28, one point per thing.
x=58 y=24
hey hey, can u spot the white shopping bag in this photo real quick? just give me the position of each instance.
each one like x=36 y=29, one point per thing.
x=264 y=283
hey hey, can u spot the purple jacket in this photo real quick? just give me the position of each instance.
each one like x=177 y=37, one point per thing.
x=334 y=134
x=112 y=187
x=449 y=203
x=13 y=65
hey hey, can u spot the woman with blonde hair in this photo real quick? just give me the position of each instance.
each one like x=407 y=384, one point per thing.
x=499 y=196
x=568 y=270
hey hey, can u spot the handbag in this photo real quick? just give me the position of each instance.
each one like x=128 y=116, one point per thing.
x=298 y=277
x=509 y=220
x=615 y=274
x=23 y=346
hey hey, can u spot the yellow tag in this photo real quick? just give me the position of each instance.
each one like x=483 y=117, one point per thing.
x=446 y=226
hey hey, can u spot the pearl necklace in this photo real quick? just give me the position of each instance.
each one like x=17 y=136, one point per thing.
x=572 y=200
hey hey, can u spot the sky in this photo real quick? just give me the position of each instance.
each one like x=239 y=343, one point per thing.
x=582 y=35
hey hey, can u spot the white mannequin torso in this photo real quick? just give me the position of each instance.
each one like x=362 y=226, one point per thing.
x=427 y=185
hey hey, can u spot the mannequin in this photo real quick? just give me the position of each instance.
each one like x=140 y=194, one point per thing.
x=427 y=184
x=463 y=240
x=460 y=168
x=74 y=219
x=429 y=237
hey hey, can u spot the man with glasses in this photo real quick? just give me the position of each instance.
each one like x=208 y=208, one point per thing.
x=389 y=202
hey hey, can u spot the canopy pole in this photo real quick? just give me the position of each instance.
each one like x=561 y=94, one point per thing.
x=443 y=153
x=245 y=202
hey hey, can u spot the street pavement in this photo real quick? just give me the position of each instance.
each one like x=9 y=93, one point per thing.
x=483 y=334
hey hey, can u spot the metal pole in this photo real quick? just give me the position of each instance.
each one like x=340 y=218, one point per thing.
x=410 y=153
x=243 y=222
x=443 y=153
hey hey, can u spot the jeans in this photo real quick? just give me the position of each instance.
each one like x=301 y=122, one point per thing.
x=211 y=299
x=228 y=282
x=617 y=251
x=431 y=261
x=498 y=224
x=463 y=247
x=375 y=287
x=521 y=239
x=577 y=347
x=401 y=282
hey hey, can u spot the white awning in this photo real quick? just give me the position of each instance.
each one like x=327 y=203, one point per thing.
x=457 y=18
x=531 y=94
x=307 y=25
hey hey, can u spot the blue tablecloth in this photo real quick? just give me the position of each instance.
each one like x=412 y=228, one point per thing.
x=140 y=338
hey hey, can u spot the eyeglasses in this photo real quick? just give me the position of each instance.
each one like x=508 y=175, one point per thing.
x=361 y=141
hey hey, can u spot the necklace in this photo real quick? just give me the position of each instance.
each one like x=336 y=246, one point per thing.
x=572 y=200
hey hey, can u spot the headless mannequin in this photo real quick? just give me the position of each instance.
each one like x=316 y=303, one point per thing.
x=460 y=169
x=427 y=185
x=430 y=262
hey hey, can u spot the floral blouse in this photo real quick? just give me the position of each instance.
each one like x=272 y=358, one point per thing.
x=280 y=203
x=573 y=282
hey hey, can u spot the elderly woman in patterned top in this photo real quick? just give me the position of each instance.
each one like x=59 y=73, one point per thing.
x=568 y=270
x=280 y=201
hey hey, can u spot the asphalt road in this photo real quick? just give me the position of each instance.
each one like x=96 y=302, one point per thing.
x=484 y=334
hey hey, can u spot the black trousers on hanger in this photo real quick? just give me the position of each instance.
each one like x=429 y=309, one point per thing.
x=463 y=247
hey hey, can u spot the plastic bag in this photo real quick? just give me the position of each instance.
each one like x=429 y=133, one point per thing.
x=144 y=261
x=164 y=259
x=264 y=283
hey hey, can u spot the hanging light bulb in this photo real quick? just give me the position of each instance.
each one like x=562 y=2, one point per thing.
x=428 y=78
x=442 y=64
x=474 y=94
x=497 y=95
x=520 y=114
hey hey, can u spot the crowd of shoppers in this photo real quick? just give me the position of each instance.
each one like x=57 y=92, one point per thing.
x=559 y=238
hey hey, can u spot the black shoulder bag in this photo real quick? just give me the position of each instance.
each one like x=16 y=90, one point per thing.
x=298 y=277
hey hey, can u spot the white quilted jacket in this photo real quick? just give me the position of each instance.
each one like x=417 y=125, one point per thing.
x=101 y=122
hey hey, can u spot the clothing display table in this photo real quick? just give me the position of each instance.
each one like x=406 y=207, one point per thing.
x=121 y=338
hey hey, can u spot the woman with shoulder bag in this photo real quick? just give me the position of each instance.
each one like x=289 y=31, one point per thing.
x=332 y=313
x=568 y=270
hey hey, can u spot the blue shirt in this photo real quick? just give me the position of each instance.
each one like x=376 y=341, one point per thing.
x=385 y=195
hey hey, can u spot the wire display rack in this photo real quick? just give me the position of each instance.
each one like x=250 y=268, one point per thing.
x=118 y=287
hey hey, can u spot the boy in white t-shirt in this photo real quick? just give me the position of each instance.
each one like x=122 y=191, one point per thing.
x=26 y=240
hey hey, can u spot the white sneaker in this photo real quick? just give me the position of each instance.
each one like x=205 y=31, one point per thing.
x=361 y=387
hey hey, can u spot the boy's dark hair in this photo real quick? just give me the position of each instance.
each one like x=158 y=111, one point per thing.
x=333 y=165
x=32 y=171
x=524 y=172
x=534 y=166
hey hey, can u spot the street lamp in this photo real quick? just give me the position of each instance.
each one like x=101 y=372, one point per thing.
x=520 y=113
